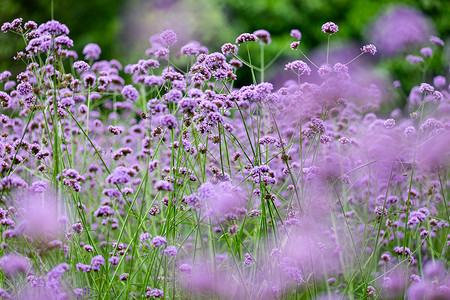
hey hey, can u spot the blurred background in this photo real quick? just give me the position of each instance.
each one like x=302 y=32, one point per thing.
x=122 y=28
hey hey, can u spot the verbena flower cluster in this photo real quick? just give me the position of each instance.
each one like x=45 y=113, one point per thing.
x=182 y=185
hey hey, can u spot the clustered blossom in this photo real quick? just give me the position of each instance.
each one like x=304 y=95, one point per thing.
x=389 y=123
x=168 y=37
x=299 y=67
x=245 y=38
x=330 y=28
x=229 y=49
x=296 y=34
x=263 y=36
x=92 y=51
x=369 y=49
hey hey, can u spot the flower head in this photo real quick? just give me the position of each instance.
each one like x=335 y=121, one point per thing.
x=330 y=28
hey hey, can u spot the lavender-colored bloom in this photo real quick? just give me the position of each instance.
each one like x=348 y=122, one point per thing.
x=263 y=36
x=4 y=76
x=399 y=27
x=185 y=268
x=296 y=34
x=64 y=41
x=245 y=38
x=24 y=88
x=39 y=186
x=439 y=81
x=299 y=67
x=120 y=175
x=129 y=92
x=170 y=251
x=89 y=79
x=163 y=185
x=14 y=263
x=248 y=259
x=92 y=51
x=156 y=293
x=124 y=276
x=97 y=262
x=340 y=68
x=435 y=40
x=104 y=210
x=438 y=95
x=83 y=268
x=396 y=84
x=77 y=227
x=369 y=49
x=330 y=28
x=4 y=294
x=158 y=241
x=294 y=45
x=114 y=260
x=324 y=70
x=53 y=27
x=145 y=236
x=168 y=37
x=389 y=123
x=116 y=130
x=168 y=121
x=193 y=201
x=426 y=51
x=414 y=60
x=229 y=49
x=425 y=88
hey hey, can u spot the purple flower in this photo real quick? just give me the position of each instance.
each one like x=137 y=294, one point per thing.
x=414 y=60
x=97 y=262
x=229 y=49
x=156 y=293
x=439 y=81
x=330 y=28
x=296 y=34
x=124 y=276
x=294 y=45
x=369 y=49
x=245 y=38
x=83 y=268
x=120 y=175
x=129 y=92
x=14 y=263
x=4 y=76
x=389 y=123
x=435 y=40
x=114 y=260
x=170 y=251
x=396 y=84
x=426 y=51
x=116 y=130
x=158 y=241
x=92 y=51
x=248 y=259
x=53 y=27
x=168 y=37
x=263 y=36
x=185 y=268
x=193 y=201
x=168 y=121
x=399 y=27
x=299 y=67
x=163 y=185
x=104 y=210
x=425 y=88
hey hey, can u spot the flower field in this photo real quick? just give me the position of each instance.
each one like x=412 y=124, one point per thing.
x=164 y=179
